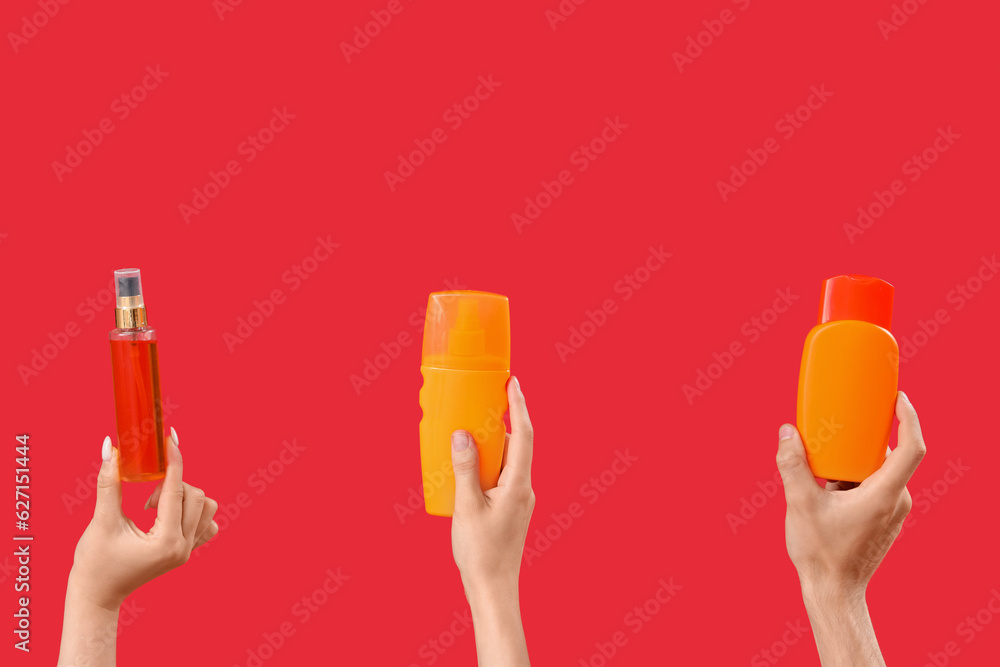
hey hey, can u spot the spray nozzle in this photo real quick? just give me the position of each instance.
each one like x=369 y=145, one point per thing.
x=467 y=337
x=130 y=311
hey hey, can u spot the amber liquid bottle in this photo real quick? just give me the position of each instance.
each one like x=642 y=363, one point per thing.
x=136 y=375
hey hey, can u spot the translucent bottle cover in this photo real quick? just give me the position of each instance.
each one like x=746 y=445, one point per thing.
x=467 y=330
x=853 y=297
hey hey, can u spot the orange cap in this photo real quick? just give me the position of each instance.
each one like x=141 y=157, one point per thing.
x=467 y=330
x=856 y=298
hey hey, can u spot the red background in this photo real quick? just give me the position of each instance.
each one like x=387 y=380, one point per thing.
x=451 y=220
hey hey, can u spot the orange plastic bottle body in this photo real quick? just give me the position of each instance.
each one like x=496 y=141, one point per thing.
x=138 y=410
x=847 y=397
x=459 y=399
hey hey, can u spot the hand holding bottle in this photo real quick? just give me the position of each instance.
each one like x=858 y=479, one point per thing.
x=488 y=530
x=114 y=557
x=837 y=536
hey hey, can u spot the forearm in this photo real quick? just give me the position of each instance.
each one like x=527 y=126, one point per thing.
x=89 y=631
x=496 y=619
x=842 y=627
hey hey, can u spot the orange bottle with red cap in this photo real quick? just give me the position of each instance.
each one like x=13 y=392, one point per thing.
x=465 y=366
x=848 y=379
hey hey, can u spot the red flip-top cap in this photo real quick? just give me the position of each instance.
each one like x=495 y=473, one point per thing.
x=856 y=298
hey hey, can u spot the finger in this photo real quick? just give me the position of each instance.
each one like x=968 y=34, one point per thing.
x=910 y=449
x=521 y=444
x=155 y=496
x=207 y=512
x=109 y=485
x=211 y=531
x=796 y=476
x=194 y=505
x=170 y=502
x=465 y=463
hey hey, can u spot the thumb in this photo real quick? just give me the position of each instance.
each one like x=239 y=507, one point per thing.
x=465 y=463
x=109 y=485
x=796 y=476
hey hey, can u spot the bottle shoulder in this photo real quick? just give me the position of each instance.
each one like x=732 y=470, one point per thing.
x=139 y=334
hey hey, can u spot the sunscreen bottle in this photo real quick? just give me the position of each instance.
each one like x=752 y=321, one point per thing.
x=465 y=366
x=848 y=378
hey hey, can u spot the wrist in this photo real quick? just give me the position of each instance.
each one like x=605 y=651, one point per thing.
x=81 y=591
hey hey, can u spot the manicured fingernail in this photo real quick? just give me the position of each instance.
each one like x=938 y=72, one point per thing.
x=460 y=441
x=518 y=383
x=785 y=432
x=148 y=500
x=106 y=448
x=173 y=434
x=905 y=397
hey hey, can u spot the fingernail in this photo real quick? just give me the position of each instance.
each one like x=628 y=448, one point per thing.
x=905 y=397
x=173 y=434
x=460 y=441
x=785 y=432
x=106 y=448
x=148 y=500
x=518 y=383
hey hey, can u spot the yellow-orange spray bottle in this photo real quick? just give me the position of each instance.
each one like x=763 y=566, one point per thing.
x=848 y=378
x=465 y=365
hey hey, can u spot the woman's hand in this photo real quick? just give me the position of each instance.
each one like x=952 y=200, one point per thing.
x=488 y=530
x=114 y=557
